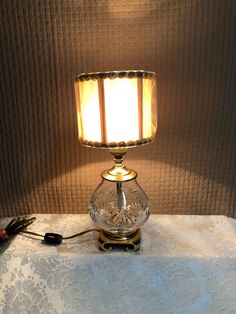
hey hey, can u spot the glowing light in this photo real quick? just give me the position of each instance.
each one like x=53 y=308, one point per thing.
x=89 y=111
x=121 y=100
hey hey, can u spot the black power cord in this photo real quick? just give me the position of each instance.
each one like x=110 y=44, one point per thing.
x=18 y=225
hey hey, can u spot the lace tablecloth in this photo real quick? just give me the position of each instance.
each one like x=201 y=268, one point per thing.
x=187 y=264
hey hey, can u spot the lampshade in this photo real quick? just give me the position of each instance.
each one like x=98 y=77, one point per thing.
x=116 y=109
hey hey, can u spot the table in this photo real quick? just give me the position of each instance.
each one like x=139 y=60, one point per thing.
x=187 y=264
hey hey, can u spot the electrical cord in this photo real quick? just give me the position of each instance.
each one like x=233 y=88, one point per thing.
x=18 y=225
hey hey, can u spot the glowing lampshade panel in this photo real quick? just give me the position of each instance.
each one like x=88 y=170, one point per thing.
x=116 y=109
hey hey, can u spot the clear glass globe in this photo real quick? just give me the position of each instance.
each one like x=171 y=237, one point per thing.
x=119 y=208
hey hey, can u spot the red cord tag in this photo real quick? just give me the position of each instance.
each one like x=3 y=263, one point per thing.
x=3 y=234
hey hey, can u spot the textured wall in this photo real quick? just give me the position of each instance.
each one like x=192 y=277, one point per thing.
x=189 y=169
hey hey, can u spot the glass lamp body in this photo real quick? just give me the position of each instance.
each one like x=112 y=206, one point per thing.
x=119 y=208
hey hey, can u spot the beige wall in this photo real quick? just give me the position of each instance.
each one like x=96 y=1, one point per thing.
x=189 y=169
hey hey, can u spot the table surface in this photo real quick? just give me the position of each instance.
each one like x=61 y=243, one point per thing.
x=187 y=264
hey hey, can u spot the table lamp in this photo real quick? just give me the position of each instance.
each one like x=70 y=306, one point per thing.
x=116 y=110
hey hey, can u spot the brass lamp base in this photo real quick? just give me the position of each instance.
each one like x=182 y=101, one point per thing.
x=106 y=242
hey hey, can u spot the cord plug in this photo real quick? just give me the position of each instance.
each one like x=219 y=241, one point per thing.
x=16 y=225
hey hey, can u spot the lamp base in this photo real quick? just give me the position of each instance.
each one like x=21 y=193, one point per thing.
x=106 y=242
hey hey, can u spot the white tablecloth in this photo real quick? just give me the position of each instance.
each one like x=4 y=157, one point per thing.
x=187 y=264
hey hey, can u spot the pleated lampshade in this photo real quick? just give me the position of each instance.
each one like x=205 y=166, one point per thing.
x=116 y=109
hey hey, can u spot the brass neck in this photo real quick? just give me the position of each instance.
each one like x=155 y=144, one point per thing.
x=119 y=173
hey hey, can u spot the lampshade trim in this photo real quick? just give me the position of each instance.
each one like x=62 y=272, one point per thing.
x=115 y=74
x=115 y=144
